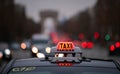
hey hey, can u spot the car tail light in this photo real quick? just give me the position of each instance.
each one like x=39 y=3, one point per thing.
x=84 y=44
x=90 y=44
x=117 y=44
x=112 y=48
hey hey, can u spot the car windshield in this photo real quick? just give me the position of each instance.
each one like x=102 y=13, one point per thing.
x=63 y=70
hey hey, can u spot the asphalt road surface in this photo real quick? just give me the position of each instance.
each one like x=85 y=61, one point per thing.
x=98 y=52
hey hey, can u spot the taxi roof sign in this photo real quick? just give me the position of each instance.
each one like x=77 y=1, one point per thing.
x=65 y=46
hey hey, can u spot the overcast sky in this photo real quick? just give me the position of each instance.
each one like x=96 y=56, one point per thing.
x=66 y=8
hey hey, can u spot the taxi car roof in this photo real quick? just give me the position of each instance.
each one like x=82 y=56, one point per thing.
x=38 y=62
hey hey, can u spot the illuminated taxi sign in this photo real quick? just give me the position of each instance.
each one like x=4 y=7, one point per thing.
x=65 y=46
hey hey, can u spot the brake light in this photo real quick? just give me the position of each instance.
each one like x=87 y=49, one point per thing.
x=90 y=45
x=65 y=64
x=117 y=44
x=112 y=48
x=84 y=44
x=65 y=46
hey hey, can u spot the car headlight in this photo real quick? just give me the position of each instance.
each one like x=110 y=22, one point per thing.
x=59 y=55
x=48 y=49
x=1 y=55
x=40 y=55
x=34 y=49
x=7 y=51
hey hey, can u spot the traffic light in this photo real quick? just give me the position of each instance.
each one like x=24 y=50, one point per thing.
x=107 y=37
x=81 y=36
x=96 y=35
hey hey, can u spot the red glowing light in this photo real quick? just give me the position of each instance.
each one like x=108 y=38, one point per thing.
x=117 y=44
x=81 y=36
x=90 y=44
x=112 y=48
x=84 y=44
x=96 y=35
x=65 y=64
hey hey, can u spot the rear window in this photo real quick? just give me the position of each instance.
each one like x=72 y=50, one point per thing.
x=63 y=70
x=40 y=41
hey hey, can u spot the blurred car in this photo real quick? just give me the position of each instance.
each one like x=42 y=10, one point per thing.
x=14 y=45
x=5 y=52
x=84 y=44
x=87 y=45
x=39 y=44
x=114 y=48
x=63 y=63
